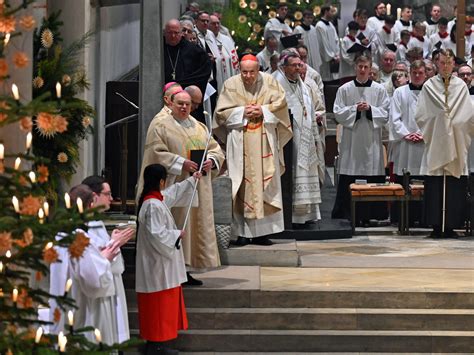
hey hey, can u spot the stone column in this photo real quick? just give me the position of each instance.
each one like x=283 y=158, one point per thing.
x=151 y=68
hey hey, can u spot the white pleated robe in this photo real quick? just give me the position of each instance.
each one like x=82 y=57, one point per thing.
x=310 y=40
x=329 y=48
x=404 y=154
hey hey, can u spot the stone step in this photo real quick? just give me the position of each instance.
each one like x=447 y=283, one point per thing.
x=291 y=341
x=202 y=298
x=282 y=253
x=325 y=319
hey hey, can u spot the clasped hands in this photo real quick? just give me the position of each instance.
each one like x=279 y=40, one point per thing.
x=414 y=137
x=362 y=106
x=253 y=112
x=192 y=167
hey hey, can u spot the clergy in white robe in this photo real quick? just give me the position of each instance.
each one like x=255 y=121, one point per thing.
x=404 y=23
x=377 y=21
x=100 y=239
x=228 y=63
x=361 y=107
x=328 y=40
x=465 y=73
x=432 y=22
x=306 y=185
x=160 y=267
x=173 y=140
x=310 y=71
x=254 y=143
x=445 y=116
x=310 y=40
x=402 y=47
x=277 y=26
x=271 y=46
x=440 y=39
x=386 y=38
x=347 y=66
x=419 y=39
x=406 y=144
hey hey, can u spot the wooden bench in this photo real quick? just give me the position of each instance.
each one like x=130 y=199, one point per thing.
x=377 y=193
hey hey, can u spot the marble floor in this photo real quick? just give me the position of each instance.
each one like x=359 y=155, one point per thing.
x=377 y=261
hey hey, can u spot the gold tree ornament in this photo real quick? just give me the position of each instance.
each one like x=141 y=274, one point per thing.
x=27 y=22
x=253 y=36
x=243 y=4
x=80 y=243
x=7 y=24
x=242 y=18
x=288 y=21
x=30 y=206
x=66 y=80
x=298 y=15
x=47 y=38
x=3 y=67
x=38 y=82
x=26 y=124
x=20 y=60
x=62 y=157
x=86 y=121
x=272 y=14
x=50 y=255
x=253 y=5
x=257 y=28
x=43 y=173
x=5 y=242
x=316 y=10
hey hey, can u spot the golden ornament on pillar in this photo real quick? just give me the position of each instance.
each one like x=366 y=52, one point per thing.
x=253 y=5
x=298 y=15
x=316 y=10
x=272 y=14
x=242 y=18
x=257 y=28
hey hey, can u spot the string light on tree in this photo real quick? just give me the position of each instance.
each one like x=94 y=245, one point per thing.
x=15 y=92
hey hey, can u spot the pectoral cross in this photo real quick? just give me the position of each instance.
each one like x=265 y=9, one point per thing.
x=173 y=75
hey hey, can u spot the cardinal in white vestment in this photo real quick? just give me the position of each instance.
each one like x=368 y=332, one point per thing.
x=306 y=185
x=252 y=119
x=361 y=107
x=445 y=116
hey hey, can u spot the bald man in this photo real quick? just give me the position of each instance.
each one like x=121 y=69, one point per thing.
x=196 y=101
x=185 y=62
x=252 y=117
x=174 y=139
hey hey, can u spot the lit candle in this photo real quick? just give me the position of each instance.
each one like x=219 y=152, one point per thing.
x=2 y=151
x=15 y=295
x=49 y=245
x=80 y=205
x=62 y=340
x=46 y=208
x=68 y=285
x=58 y=90
x=41 y=215
x=17 y=163
x=389 y=9
x=399 y=13
x=29 y=139
x=8 y=254
x=32 y=176
x=39 y=334
x=16 y=92
x=70 y=318
x=1 y=266
x=16 y=204
x=67 y=200
x=6 y=39
x=98 y=336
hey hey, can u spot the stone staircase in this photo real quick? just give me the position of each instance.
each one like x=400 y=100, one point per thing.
x=236 y=320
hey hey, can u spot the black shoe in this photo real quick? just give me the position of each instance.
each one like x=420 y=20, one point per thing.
x=241 y=241
x=262 y=241
x=156 y=348
x=192 y=281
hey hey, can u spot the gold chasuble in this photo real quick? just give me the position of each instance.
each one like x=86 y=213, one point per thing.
x=254 y=153
x=169 y=143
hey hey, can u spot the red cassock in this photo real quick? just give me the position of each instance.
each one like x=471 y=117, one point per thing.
x=161 y=314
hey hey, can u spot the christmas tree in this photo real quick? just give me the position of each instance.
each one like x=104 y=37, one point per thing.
x=29 y=220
